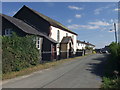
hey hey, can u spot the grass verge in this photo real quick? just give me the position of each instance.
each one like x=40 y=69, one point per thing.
x=110 y=79
x=29 y=70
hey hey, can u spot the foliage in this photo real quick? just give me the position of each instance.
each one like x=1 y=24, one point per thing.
x=112 y=68
x=111 y=83
x=114 y=49
x=88 y=48
x=94 y=52
x=18 y=53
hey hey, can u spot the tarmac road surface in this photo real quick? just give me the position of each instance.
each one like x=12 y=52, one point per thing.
x=82 y=72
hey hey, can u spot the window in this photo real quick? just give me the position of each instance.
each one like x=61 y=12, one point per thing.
x=8 y=32
x=58 y=35
x=66 y=34
x=38 y=42
x=73 y=37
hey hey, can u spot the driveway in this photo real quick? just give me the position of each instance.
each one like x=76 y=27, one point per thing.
x=85 y=72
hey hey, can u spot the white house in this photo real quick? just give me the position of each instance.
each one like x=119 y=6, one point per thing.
x=65 y=38
x=90 y=45
x=60 y=34
x=81 y=45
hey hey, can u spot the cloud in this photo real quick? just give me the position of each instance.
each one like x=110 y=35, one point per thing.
x=75 y=8
x=78 y=16
x=116 y=9
x=96 y=25
x=99 y=23
x=76 y=26
x=99 y=10
x=69 y=21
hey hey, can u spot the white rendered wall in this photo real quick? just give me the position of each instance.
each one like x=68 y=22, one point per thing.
x=63 y=34
x=81 y=46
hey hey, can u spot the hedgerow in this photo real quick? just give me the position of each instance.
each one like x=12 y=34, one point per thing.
x=112 y=70
x=18 y=53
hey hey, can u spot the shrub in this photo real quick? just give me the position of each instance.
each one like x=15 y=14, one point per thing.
x=115 y=54
x=18 y=53
x=112 y=72
x=88 y=48
x=114 y=49
x=111 y=83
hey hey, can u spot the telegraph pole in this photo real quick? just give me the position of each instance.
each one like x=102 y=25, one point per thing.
x=115 y=32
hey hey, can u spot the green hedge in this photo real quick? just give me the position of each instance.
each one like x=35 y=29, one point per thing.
x=114 y=48
x=111 y=79
x=115 y=54
x=18 y=53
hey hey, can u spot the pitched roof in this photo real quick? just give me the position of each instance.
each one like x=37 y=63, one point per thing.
x=78 y=41
x=51 y=21
x=66 y=40
x=25 y=27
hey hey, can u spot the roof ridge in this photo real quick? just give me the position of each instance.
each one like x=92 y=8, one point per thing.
x=48 y=19
x=13 y=20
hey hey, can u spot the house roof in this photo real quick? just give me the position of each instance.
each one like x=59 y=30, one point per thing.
x=25 y=27
x=78 y=41
x=83 y=42
x=66 y=40
x=91 y=44
x=51 y=21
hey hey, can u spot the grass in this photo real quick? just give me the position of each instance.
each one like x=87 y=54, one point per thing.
x=111 y=83
x=110 y=80
x=29 y=70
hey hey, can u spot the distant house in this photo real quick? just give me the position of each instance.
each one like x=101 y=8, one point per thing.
x=81 y=45
x=11 y=24
x=52 y=29
x=90 y=45
x=84 y=47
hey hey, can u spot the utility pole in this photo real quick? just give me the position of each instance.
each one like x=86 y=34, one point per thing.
x=115 y=32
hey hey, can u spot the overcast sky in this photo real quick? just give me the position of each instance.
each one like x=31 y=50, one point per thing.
x=92 y=21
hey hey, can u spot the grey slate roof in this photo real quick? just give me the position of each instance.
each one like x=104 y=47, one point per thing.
x=25 y=27
x=51 y=21
x=66 y=40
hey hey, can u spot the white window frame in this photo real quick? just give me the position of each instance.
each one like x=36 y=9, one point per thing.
x=58 y=35
x=38 y=42
x=8 y=31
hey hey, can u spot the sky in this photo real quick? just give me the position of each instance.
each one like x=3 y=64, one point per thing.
x=92 y=21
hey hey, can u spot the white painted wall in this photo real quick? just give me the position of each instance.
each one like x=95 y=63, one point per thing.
x=81 y=45
x=63 y=34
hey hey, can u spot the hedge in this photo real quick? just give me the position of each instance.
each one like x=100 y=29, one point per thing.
x=18 y=53
x=115 y=54
x=111 y=79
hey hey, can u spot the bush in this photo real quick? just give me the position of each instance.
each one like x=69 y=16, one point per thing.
x=88 y=48
x=115 y=54
x=18 y=53
x=111 y=83
x=114 y=49
x=112 y=70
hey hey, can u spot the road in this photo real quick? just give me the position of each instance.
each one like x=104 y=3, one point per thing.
x=82 y=72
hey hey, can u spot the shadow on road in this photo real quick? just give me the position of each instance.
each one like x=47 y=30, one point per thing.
x=97 y=67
